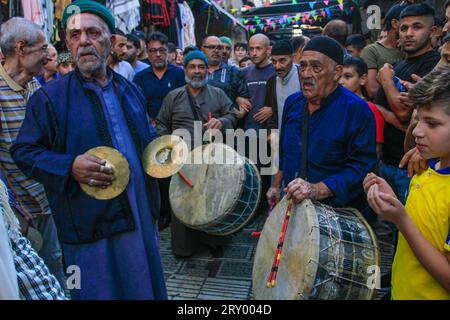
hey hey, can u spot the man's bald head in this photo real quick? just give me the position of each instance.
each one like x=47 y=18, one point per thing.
x=336 y=29
x=213 y=48
x=261 y=39
x=209 y=39
x=259 y=49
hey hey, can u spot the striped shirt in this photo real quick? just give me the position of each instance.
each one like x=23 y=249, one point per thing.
x=13 y=100
x=33 y=277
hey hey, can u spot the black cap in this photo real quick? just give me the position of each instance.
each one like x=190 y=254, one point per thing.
x=282 y=47
x=417 y=10
x=328 y=46
x=393 y=13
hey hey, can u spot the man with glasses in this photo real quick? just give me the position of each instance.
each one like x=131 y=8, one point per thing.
x=25 y=49
x=228 y=78
x=156 y=82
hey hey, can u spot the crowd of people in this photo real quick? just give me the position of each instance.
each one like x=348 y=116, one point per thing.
x=358 y=124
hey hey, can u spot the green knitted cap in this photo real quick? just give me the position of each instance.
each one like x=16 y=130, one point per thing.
x=81 y=6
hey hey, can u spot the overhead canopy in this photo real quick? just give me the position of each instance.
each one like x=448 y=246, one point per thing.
x=225 y=12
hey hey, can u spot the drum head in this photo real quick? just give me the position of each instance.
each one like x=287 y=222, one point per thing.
x=217 y=174
x=296 y=271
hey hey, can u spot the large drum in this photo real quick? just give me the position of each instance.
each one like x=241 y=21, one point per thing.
x=327 y=254
x=225 y=194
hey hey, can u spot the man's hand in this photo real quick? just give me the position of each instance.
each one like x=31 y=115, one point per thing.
x=416 y=163
x=299 y=190
x=241 y=113
x=408 y=85
x=371 y=179
x=263 y=114
x=404 y=99
x=386 y=73
x=244 y=103
x=274 y=193
x=213 y=124
x=93 y=171
x=386 y=206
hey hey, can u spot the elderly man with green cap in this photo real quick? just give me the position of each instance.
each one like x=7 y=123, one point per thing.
x=185 y=110
x=111 y=244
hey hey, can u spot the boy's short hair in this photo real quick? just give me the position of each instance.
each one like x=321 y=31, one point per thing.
x=240 y=45
x=357 y=41
x=359 y=64
x=432 y=90
x=244 y=59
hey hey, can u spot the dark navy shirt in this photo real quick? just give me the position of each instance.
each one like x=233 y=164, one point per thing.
x=155 y=90
x=341 y=145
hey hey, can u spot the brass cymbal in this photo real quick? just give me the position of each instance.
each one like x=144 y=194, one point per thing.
x=121 y=171
x=165 y=156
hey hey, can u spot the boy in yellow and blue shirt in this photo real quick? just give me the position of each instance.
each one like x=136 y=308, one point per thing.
x=421 y=268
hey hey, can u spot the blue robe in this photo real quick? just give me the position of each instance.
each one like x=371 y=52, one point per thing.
x=123 y=263
x=341 y=146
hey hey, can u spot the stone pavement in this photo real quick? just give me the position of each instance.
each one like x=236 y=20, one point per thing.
x=203 y=277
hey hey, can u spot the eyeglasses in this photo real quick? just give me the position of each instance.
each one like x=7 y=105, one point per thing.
x=42 y=49
x=218 y=48
x=161 y=50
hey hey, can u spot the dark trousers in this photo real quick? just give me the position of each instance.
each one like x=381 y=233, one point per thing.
x=186 y=241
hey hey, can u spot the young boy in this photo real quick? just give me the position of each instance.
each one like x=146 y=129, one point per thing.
x=421 y=268
x=354 y=78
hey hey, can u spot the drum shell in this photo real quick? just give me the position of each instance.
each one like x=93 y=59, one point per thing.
x=315 y=261
x=224 y=197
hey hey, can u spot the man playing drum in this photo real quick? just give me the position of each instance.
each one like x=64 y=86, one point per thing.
x=181 y=108
x=337 y=134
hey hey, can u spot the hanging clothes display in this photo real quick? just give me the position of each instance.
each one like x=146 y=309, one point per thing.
x=41 y=13
x=156 y=12
x=59 y=8
x=172 y=29
x=127 y=14
x=188 y=24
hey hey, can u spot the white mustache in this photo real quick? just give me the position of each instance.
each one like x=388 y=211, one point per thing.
x=84 y=51
x=311 y=82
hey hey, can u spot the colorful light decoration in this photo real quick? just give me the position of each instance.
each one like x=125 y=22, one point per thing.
x=263 y=24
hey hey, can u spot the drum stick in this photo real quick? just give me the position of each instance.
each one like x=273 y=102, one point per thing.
x=209 y=119
x=186 y=180
x=271 y=282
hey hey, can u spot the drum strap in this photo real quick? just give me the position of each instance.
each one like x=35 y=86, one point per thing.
x=304 y=154
x=192 y=104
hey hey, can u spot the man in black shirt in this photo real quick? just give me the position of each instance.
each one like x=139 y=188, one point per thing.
x=416 y=28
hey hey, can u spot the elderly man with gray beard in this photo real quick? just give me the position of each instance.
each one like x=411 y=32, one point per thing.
x=182 y=109
x=112 y=245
